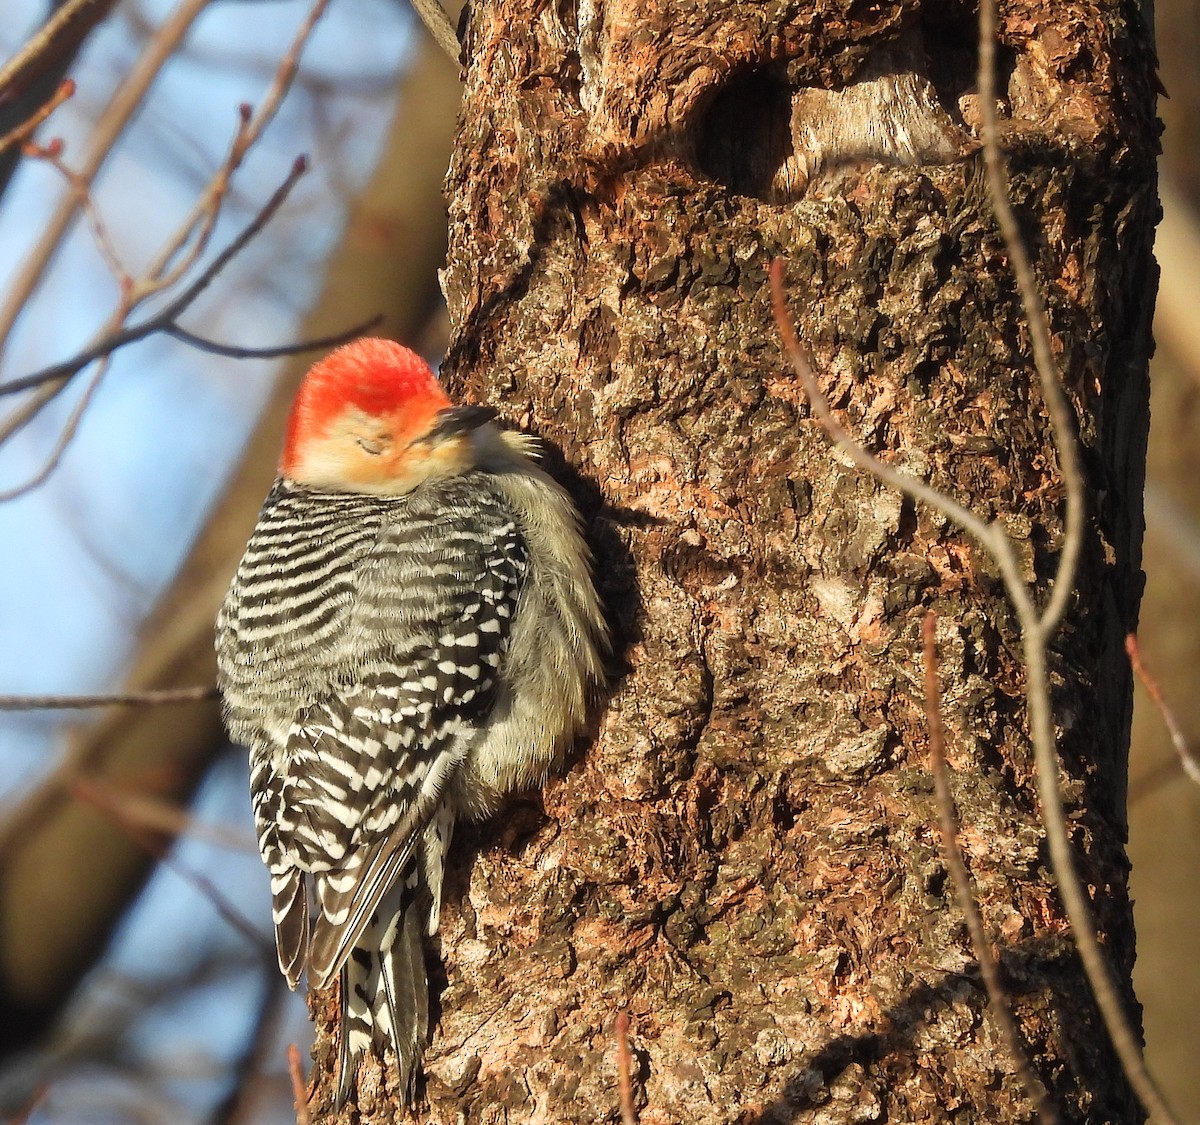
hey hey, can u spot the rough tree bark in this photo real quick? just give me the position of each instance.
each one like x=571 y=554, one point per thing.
x=745 y=859
x=1165 y=805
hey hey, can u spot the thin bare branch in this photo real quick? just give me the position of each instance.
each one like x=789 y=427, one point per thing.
x=151 y=842
x=1187 y=759
x=1061 y=416
x=169 y=266
x=69 y=430
x=899 y=479
x=48 y=382
x=299 y=1091
x=120 y=109
x=1036 y=626
x=181 y=251
x=1036 y=629
x=57 y=38
x=1108 y=999
x=998 y=1001
x=137 y=807
x=437 y=22
x=180 y=304
x=232 y=352
x=52 y=155
x=21 y=133
x=160 y=698
x=624 y=1068
x=233 y=917
x=57 y=374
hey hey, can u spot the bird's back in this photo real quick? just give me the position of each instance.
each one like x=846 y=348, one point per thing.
x=283 y=622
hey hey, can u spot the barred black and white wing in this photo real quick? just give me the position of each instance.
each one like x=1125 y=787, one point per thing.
x=352 y=812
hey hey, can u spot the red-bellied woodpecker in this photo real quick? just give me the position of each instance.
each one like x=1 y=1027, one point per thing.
x=412 y=633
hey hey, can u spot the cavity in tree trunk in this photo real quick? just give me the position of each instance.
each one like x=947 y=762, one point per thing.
x=746 y=858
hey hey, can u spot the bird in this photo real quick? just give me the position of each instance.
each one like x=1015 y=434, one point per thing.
x=412 y=634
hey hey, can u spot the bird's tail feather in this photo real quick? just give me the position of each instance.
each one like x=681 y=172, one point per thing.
x=385 y=991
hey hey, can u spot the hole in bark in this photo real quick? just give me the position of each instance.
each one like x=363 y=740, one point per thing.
x=913 y=101
x=952 y=56
x=745 y=136
x=951 y=41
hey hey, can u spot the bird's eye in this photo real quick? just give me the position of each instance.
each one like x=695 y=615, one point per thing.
x=373 y=446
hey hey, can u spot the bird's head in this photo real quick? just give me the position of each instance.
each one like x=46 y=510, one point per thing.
x=371 y=417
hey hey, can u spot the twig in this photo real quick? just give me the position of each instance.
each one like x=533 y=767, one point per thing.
x=1037 y=630
x=155 y=698
x=232 y=352
x=65 y=438
x=161 y=816
x=900 y=480
x=121 y=107
x=19 y=134
x=177 y=307
x=173 y=260
x=998 y=1001
x=433 y=16
x=1036 y=626
x=160 y=323
x=58 y=374
x=299 y=1091
x=1187 y=759
x=148 y=841
x=199 y=224
x=1061 y=419
x=52 y=155
x=58 y=36
x=624 y=1068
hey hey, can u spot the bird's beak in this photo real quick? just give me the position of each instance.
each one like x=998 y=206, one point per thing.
x=457 y=421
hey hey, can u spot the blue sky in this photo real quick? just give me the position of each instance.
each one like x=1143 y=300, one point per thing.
x=86 y=555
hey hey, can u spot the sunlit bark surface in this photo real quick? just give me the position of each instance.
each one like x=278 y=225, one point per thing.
x=746 y=858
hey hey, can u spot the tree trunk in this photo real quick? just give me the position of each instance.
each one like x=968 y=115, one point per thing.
x=746 y=858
